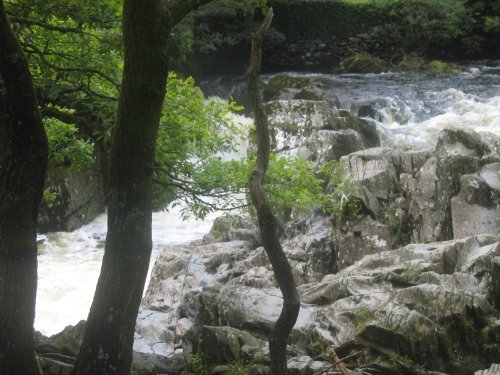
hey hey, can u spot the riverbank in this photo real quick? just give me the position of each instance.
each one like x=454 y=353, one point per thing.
x=435 y=187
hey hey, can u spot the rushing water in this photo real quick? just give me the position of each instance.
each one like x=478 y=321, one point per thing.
x=69 y=264
x=411 y=108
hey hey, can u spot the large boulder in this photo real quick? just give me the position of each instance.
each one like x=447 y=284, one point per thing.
x=224 y=344
x=233 y=227
x=361 y=63
x=458 y=152
x=78 y=198
x=423 y=208
x=376 y=173
x=476 y=208
x=317 y=130
x=288 y=87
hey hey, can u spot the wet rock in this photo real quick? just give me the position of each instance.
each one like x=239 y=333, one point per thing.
x=376 y=169
x=141 y=366
x=66 y=343
x=386 y=110
x=476 y=209
x=317 y=130
x=305 y=365
x=79 y=199
x=423 y=209
x=410 y=300
x=361 y=63
x=288 y=87
x=458 y=152
x=224 y=344
x=233 y=227
x=360 y=238
x=178 y=270
x=158 y=364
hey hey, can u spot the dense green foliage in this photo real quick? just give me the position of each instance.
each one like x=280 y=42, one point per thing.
x=65 y=147
x=419 y=24
x=74 y=52
x=219 y=24
x=294 y=185
x=463 y=27
x=322 y=19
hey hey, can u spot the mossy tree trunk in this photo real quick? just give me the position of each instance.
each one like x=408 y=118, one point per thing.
x=109 y=335
x=23 y=161
x=268 y=224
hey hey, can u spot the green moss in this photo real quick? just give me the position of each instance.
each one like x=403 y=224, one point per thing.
x=285 y=81
x=361 y=63
x=412 y=272
x=440 y=67
x=363 y=317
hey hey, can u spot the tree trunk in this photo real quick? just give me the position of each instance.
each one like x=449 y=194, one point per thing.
x=268 y=224
x=23 y=161
x=109 y=335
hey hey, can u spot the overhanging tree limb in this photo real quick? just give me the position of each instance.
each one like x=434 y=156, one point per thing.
x=268 y=224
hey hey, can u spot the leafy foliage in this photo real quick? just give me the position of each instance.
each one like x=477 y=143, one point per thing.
x=192 y=130
x=66 y=148
x=419 y=24
x=75 y=56
x=218 y=24
x=294 y=185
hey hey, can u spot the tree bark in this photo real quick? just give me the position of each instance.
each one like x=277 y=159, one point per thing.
x=23 y=161
x=109 y=335
x=268 y=224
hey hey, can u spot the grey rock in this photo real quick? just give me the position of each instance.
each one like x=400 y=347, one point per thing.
x=223 y=344
x=476 y=209
x=493 y=370
x=458 y=152
x=80 y=198
x=376 y=169
x=423 y=209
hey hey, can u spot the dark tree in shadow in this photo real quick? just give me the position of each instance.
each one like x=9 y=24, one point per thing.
x=109 y=335
x=23 y=161
x=268 y=224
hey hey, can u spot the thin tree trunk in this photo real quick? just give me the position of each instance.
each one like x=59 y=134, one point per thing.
x=23 y=161
x=268 y=223
x=109 y=335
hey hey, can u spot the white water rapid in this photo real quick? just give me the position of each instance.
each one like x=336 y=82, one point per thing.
x=69 y=264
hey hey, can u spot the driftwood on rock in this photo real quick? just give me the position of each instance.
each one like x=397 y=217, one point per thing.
x=268 y=224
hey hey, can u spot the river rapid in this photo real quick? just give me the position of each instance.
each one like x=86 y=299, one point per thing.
x=410 y=110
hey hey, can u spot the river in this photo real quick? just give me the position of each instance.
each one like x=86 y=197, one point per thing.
x=411 y=109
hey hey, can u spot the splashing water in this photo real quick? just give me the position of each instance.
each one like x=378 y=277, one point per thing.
x=69 y=264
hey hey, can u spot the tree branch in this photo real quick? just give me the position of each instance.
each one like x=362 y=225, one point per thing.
x=45 y=25
x=176 y=10
x=268 y=224
x=72 y=69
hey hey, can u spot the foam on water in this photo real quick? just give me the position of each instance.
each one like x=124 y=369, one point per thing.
x=69 y=264
x=462 y=111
